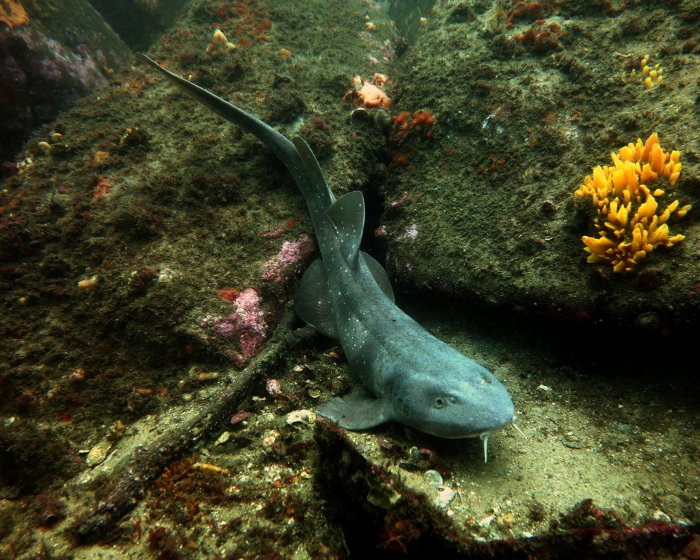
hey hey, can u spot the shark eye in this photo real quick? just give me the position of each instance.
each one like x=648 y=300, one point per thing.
x=440 y=402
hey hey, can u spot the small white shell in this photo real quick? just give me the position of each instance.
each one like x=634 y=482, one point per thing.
x=444 y=497
x=434 y=478
x=98 y=453
x=302 y=416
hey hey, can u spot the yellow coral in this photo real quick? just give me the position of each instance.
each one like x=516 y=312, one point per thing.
x=12 y=13
x=650 y=76
x=630 y=224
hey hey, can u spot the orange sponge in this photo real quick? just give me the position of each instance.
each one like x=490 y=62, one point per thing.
x=630 y=222
x=12 y=13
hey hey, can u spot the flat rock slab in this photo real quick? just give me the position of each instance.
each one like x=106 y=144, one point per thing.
x=388 y=509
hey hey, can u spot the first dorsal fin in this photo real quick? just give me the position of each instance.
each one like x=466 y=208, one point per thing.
x=347 y=214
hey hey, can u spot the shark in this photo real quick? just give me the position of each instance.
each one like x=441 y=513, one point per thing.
x=408 y=375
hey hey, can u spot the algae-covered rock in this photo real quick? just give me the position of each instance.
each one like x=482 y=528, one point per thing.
x=528 y=98
x=52 y=53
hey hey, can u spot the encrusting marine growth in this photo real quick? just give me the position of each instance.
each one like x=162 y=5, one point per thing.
x=629 y=222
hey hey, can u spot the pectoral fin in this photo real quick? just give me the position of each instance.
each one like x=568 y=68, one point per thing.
x=357 y=411
x=379 y=274
x=311 y=301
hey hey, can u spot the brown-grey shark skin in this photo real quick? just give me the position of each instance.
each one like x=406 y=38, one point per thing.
x=410 y=376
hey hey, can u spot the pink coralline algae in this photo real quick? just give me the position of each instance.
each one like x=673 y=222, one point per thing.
x=247 y=322
x=279 y=268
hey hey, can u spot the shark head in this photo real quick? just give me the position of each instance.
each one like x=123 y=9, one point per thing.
x=452 y=398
